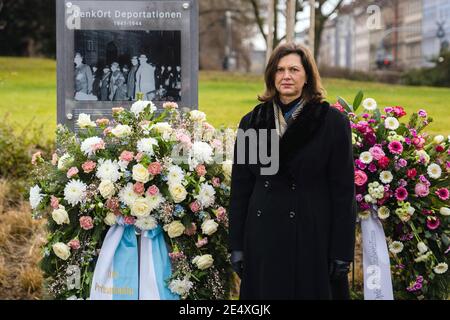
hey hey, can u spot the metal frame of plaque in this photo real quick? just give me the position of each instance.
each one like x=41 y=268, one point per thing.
x=123 y=15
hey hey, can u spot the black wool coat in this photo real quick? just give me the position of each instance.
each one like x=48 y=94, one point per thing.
x=291 y=225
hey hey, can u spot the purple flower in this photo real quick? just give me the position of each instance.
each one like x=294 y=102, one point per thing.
x=388 y=109
x=424 y=180
x=370 y=139
x=408 y=141
x=360 y=165
x=359 y=197
x=422 y=113
x=365 y=115
x=402 y=163
x=372 y=167
x=402 y=183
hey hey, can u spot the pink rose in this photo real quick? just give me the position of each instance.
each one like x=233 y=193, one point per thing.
x=139 y=156
x=54 y=202
x=201 y=170
x=129 y=220
x=88 y=166
x=191 y=230
x=72 y=172
x=54 y=159
x=155 y=168
x=74 y=244
x=102 y=122
x=86 y=223
x=421 y=190
x=139 y=188
x=195 y=206
x=127 y=156
x=360 y=178
x=201 y=243
x=153 y=190
x=216 y=182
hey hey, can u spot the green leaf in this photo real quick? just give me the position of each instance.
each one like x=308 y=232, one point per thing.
x=358 y=99
x=345 y=104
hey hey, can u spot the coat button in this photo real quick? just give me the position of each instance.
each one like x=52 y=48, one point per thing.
x=266 y=184
x=293 y=186
x=292 y=214
x=258 y=213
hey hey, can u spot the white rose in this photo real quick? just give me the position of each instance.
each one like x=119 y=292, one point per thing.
x=445 y=211
x=438 y=139
x=203 y=262
x=175 y=229
x=110 y=219
x=140 y=208
x=65 y=162
x=107 y=189
x=178 y=192
x=60 y=216
x=209 y=227
x=121 y=131
x=61 y=250
x=84 y=121
x=422 y=247
x=140 y=173
x=196 y=115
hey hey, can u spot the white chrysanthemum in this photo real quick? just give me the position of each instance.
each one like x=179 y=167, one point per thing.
x=175 y=175
x=146 y=146
x=35 y=196
x=369 y=104
x=386 y=177
x=108 y=170
x=121 y=131
x=391 y=123
x=88 y=145
x=383 y=213
x=127 y=195
x=181 y=287
x=422 y=247
x=206 y=196
x=65 y=162
x=434 y=171
x=196 y=115
x=155 y=201
x=396 y=247
x=139 y=106
x=146 y=223
x=366 y=157
x=75 y=192
x=438 y=139
x=84 y=121
x=201 y=152
x=164 y=129
x=441 y=268
x=445 y=211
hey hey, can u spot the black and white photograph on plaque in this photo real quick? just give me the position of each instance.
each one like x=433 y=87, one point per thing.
x=117 y=65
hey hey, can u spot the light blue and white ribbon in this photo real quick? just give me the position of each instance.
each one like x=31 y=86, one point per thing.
x=118 y=274
x=376 y=264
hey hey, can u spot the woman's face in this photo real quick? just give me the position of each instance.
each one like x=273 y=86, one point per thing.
x=290 y=76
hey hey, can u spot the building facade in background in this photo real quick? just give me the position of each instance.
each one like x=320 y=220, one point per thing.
x=409 y=34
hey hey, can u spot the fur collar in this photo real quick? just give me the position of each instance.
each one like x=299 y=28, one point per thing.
x=299 y=132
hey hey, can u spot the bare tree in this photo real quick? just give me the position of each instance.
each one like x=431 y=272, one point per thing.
x=321 y=17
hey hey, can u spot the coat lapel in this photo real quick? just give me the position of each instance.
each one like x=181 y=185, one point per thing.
x=299 y=132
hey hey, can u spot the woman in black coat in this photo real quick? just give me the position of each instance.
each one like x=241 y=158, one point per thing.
x=292 y=232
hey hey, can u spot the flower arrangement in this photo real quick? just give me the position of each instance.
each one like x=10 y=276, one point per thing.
x=144 y=168
x=402 y=177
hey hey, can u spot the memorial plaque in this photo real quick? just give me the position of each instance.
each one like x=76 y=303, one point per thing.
x=108 y=51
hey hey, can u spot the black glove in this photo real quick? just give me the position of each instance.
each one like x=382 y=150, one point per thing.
x=338 y=280
x=237 y=262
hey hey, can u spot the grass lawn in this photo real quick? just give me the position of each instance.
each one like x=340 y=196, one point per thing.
x=28 y=95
